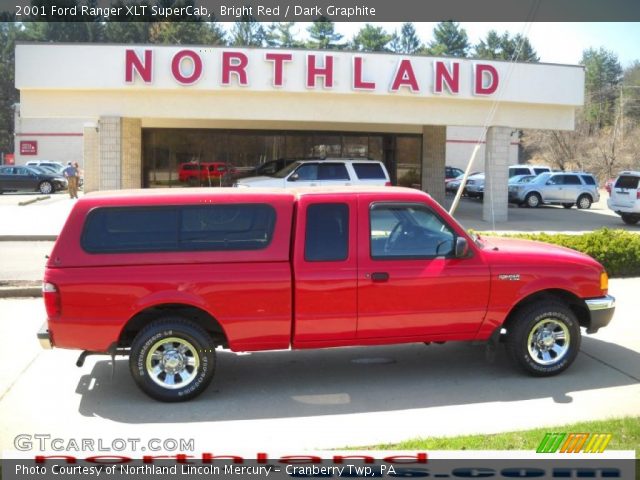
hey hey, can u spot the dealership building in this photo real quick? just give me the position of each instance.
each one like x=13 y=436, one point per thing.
x=132 y=114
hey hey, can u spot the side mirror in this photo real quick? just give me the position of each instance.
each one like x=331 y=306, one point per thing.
x=294 y=177
x=462 y=247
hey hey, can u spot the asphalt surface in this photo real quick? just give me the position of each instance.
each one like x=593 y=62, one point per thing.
x=316 y=399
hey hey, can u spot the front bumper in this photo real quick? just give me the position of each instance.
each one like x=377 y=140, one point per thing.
x=44 y=337
x=600 y=312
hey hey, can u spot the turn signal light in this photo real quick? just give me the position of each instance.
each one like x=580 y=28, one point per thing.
x=388 y=184
x=51 y=299
x=604 y=281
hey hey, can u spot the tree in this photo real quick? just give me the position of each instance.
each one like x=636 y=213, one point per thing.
x=407 y=42
x=603 y=74
x=281 y=34
x=449 y=39
x=323 y=35
x=630 y=91
x=371 y=39
x=504 y=47
x=248 y=33
x=9 y=33
x=199 y=33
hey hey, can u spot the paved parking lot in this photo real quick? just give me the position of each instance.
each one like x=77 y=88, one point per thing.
x=317 y=399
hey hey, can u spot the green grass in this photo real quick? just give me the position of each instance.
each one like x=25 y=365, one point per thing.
x=625 y=431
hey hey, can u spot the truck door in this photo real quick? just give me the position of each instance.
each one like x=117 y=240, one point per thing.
x=325 y=270
x=409 y=282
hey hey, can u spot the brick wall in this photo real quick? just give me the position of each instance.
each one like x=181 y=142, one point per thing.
x=434 y=150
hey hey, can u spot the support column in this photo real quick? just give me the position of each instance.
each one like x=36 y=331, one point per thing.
x=110 y=133
x=131 y=153
x=434 y=148
x=495 y=207
x=91 y=154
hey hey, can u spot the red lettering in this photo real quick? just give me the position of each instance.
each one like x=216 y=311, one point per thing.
x=144 y=68
x=207 y=458
x=419 y=458
x=483 y=71
x=405 y=76
x=108 y=459
x=176 y=67
x=234 y=62
x=340 y=458
x=278 y=60
x=358 y=82
x=313 y=71
x=444 y=76
x=300 y=459
x=67 y=458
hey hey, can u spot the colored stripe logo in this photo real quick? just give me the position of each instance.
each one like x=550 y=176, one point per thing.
x=574 y=442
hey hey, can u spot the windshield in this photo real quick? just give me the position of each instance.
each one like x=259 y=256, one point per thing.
x=543 y=177
x=286 y=170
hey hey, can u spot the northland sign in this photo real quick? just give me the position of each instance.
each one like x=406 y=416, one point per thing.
x=318 y=71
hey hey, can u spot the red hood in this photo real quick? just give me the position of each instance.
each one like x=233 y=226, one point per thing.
x=511 y=250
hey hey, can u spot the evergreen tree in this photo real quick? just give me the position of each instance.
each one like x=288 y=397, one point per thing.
x=505 y=47
x=449 y=39
x=323 y=35
x=248 y=33
x=371 y=39
x=407 y=42
x=603 y=74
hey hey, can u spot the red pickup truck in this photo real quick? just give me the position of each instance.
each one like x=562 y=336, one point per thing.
x=167 y=276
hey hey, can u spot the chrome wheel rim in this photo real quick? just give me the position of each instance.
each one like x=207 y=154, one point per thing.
x=533 y=201
x=548 y=341
x=584 y=202
x=172 y=363
x=45 y=188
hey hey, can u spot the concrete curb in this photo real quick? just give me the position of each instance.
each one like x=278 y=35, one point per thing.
x=20 y=292
x=28 y=238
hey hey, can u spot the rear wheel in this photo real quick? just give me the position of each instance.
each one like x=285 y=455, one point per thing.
x=544 y=339
x=172 y=359
x=627 y=218
x=584 y=202
x=567 y=205
x=533 y=200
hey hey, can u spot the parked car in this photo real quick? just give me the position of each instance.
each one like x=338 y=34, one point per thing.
x=266 y=169
x=57 y=167
x=182 y=273
x=30 y=179
x=625 y=197
x=563 y=188
x=608 y=185
x=202 y=173
x=527 y=170
x=452 y=172
x=453 y=184
x=475 y=186
x=329 y=172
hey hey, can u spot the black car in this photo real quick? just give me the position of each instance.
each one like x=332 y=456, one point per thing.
x=30 y=179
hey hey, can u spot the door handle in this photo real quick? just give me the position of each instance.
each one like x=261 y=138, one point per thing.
x=379 y=276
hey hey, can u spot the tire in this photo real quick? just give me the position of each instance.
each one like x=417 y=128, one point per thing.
x=190 y=351
x=533 y=200
x=584 y=202
x=545 y=320
x=46 y=187
x=627 y=218
x=567 y=205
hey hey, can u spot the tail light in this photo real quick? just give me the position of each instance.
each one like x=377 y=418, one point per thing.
x=388 y=184
x=51 y=296
x=638 y=195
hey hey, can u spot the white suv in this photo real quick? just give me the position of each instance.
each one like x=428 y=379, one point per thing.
x=625 y=197
x=329 y=172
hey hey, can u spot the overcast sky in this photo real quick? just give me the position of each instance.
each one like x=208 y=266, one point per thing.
x=559 y=42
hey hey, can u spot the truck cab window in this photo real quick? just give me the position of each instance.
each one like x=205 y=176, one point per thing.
x=408 y=231
x=327 y=233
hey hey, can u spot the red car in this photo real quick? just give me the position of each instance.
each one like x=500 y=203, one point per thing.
x=166 y=276
x=197 y=173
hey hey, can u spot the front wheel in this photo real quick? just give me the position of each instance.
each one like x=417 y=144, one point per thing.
x=172 y=359
x=45 y=187
x=533 y=200
x=544 y=338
